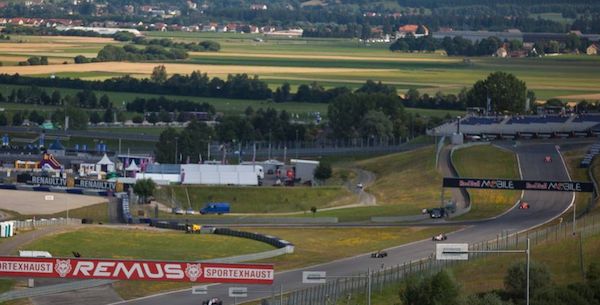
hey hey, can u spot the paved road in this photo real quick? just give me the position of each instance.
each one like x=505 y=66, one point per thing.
x=545 y=206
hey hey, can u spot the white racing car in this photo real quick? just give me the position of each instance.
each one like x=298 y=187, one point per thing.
x=439 y=237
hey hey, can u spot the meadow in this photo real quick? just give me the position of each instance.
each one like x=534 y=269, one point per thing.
x=487 y=203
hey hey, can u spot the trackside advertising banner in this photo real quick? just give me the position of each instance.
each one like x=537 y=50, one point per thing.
x=528 y=185
x=71 y=268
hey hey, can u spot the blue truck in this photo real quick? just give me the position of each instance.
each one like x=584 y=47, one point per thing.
x=215 y=208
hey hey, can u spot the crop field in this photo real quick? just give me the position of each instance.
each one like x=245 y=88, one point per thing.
x=333 y=62
x=58 y=48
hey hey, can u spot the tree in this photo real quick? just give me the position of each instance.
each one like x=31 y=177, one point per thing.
x=506 y=92
x=3 y=119
x=164 y=116
x=371 y=87
x=108 y=116
x=35 y=117
x=193 y=140
x=95 y=118
x=376 y=124
x=78 y=119
x=55 y=99
x=17 y=119
x=80 y=59
x=434 y=290
x=34 y=61
x=323 y=171
x=159 y=74
x=105 y=102
x=515 y=282
x=144 y=188
x=137 y=119
x=44 y=60
x=123 y=36
x=165 y=147
x=486 y=299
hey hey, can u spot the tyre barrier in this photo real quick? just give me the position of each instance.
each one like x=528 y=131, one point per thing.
x=176 y=225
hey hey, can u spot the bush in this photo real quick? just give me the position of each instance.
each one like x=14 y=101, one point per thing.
x=80 y=59
x=123 y=36
x=515 y=281
x=438 y=289
x=138 y=119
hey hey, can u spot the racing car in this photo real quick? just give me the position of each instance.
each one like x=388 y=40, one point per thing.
x=548 y=159
x=213 y=301
x=523 y=205
x=379 y=254
x=439 y=237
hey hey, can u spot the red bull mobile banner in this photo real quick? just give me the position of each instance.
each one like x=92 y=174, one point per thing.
x=108 y=269
x=527 y=185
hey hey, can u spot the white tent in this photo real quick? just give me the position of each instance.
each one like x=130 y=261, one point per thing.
x=105 y=165
x=132 y=167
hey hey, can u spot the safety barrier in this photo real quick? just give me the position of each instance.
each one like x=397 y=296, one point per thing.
x=51 y=189
x=36 y=223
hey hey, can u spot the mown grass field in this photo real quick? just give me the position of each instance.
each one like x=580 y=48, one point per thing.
x=473 y=162
x=409 y=180
x=143 y=243
x=261 y=199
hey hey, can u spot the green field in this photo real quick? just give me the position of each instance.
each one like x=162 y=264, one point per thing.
x=407 y=179
x=473 y=162
x=145 y=243
x=226 y=106
x=261 y=199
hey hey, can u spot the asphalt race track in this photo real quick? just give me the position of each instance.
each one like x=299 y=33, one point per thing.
x=544 y=206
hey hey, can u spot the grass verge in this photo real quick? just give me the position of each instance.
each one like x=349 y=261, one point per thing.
x=144 y=243
x=407 y=180
x=473 y=162
x=262 y=199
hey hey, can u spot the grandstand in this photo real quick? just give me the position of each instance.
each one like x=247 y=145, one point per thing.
x=542 y=126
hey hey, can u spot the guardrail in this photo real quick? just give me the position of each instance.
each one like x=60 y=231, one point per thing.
x=35 y=223
x=350 y=289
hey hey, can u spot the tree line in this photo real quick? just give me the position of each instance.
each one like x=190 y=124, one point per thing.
x=202 y=46
x=485 y=47
x=259 y=125
x=143 y=105
x=239 y=86
x=37 y=96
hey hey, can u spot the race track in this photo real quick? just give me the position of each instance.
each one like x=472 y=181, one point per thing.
x=545 y=206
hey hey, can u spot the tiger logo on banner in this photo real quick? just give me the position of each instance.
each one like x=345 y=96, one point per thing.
x=63 y=267
x=193 y=271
